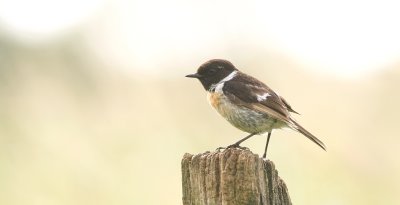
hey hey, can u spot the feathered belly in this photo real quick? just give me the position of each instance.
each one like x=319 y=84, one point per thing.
x=241 y=117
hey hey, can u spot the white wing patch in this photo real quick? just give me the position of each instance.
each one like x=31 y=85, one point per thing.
x=262 y=97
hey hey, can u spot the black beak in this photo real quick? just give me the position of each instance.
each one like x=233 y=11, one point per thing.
x=196 y=75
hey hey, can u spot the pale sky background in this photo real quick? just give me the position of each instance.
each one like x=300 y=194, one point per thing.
x=345 y=38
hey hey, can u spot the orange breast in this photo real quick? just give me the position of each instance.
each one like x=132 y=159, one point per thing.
x=214 y=99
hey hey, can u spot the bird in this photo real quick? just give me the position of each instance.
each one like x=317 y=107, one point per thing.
x=247 y=103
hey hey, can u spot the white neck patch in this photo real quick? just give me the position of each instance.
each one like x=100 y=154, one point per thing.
x=218 y=87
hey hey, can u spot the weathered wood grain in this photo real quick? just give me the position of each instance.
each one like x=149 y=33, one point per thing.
x=231 y=177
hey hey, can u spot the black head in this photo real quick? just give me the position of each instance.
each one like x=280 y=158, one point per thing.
x=213 y=71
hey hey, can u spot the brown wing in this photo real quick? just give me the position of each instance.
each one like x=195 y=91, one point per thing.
x=290 y=109
x=253 y=94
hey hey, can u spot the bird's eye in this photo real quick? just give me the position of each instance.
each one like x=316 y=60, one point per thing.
x=212 y=71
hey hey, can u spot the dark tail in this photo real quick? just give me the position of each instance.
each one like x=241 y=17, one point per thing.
x=306 y=133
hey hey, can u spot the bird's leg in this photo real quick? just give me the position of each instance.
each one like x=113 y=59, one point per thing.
x=237 y=144
x=266 y=146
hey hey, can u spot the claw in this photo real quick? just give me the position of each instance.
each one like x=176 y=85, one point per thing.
x=232 y=146
x=242 y=148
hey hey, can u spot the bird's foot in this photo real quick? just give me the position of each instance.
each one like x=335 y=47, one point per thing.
x=232 y=146
x=264 y=156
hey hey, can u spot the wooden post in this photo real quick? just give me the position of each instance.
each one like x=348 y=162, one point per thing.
x=231 y=177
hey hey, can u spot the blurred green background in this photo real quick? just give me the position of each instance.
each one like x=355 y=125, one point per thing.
x=95 y=108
